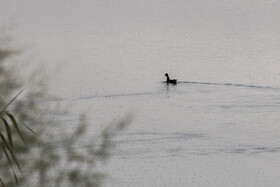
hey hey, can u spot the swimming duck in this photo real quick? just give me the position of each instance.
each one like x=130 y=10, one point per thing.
x=173 y=81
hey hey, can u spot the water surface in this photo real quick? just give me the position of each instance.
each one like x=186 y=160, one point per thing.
x=193 y=133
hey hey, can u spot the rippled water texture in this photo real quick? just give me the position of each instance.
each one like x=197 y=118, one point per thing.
x=193 y=133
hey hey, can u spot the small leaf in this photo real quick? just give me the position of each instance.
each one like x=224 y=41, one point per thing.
x=29 y=128
x=2 y=183
x=9 y=133
x=15 y=176
x=15 y=125
x=10 y=151
x=7 y=155
x=4 y=108
x=10 y=163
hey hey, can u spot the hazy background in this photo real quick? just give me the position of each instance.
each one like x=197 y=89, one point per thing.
x=194 y=40
x=112 y=57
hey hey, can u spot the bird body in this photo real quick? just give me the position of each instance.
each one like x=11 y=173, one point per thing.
x=171 y=81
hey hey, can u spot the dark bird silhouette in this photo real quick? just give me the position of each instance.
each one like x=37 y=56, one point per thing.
x=171 y=81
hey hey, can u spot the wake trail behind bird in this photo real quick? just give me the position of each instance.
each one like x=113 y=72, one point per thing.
x=229 y=84
x=160 y=91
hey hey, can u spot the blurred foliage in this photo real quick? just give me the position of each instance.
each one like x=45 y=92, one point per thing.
x=44 y=157
x=6 y=138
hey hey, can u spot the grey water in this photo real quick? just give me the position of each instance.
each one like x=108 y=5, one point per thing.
x=219 y=126
x=192 y=134
x=200 y=135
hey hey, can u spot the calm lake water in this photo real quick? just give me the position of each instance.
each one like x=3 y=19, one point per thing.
x=219 y=126
x=191 y=134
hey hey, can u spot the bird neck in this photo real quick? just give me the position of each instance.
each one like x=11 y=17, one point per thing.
x=167 y=77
